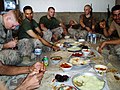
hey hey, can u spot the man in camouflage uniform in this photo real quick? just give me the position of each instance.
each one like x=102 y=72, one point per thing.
x=13 y=76
x=7 y=54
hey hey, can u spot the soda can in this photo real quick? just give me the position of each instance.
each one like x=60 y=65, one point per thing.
x=45 y=60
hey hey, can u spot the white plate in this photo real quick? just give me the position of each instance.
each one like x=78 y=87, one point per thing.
x=74 y=49
x=88 y=81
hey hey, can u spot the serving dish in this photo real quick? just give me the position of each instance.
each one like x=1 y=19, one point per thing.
x=86 y=52
x=56 y=59
x=67 y=87
x=66 y=66
x=88 y=81
x=100 y=69
x=79 y=61
x=74 y=49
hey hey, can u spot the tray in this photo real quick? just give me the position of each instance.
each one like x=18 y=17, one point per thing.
x=88 y=81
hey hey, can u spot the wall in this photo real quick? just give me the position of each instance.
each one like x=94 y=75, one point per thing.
x=67 y=5
x=66 y=16
x=117 y=2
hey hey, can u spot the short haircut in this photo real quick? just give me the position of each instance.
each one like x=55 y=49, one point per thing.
x=27 y=7
x=51 y=8
x=88 y=6
x=116 y=7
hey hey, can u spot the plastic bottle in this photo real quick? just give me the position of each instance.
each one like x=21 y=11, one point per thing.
x=37 y=52
x=94 y=38
x=45 y=60
x=89 y=37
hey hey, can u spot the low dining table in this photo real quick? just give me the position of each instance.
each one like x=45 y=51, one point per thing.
x=49 y=83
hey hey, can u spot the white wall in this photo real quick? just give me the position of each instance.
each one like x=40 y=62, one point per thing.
x=67 y=5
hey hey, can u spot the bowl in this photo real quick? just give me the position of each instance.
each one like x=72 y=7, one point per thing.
x=86 y=52
x=100 y=69
x=81 y=40
x=67 y=87
x=56 y=59
x=67 y=37
x=66 y=66
x=60 y=45
x=77 y=54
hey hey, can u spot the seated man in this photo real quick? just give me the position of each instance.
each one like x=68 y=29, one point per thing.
x=10 y=56
x=87 y=22
x=16 y=78
x=115 y=25
x=99 y=29
x=8 y=21
x=28 y=39
x=49 y=22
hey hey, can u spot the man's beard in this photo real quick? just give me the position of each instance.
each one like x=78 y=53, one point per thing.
x=118 y=22
x=30 y=18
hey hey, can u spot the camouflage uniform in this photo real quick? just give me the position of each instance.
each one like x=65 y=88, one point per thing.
x=8 y=57
x=77 y=33
x=47 y=35
x=58 y=32
x=26 y=47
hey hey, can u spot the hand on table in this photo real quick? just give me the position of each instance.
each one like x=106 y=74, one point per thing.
x=37 y=67
x=56 y=48
x=102 y=45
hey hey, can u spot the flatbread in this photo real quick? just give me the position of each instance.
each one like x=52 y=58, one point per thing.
x=84 y=82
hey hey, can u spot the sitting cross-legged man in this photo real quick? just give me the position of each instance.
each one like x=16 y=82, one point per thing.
x=28 y=39
x=49 y=23
x=87 y=21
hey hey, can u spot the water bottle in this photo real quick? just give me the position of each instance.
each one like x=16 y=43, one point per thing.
x=89 y=37
x=37 y=52
x=94 y=38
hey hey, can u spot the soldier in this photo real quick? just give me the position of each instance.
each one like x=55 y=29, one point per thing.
x=27 y=36
x=7 y=43
x=10 y=57
x=50 y=23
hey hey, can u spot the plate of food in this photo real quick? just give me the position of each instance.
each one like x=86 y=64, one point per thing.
x=66 y=66
x=75 y=43
x=88 y=81
x=62 y=77
x=67 y=87
x=77 y=54
x=74 y=49
x=78 y=61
